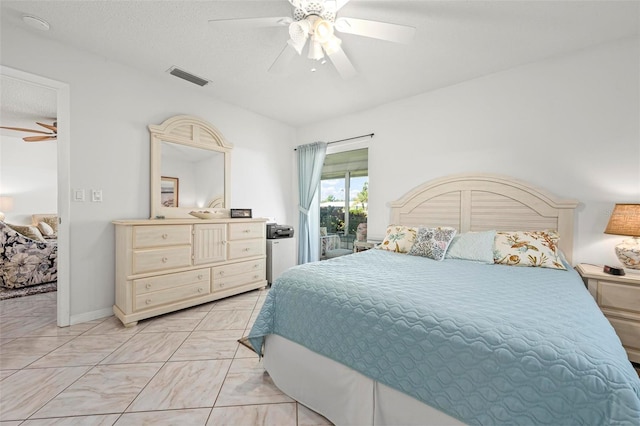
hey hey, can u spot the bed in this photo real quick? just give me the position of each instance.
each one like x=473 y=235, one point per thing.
x=384 y=338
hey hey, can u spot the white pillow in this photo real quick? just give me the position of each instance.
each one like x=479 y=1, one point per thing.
x=476 y=246
x=45 y=229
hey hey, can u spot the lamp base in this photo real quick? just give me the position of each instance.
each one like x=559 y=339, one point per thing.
x=628 y=253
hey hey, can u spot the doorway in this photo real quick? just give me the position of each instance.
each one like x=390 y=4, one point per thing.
x=63 y=110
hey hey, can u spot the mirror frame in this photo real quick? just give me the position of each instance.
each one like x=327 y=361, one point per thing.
x=190 y=131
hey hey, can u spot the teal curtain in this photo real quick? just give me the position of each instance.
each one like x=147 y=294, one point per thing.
x=310 y=161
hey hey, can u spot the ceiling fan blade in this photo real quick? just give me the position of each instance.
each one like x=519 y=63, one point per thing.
x=281 y=64
x=335 y=5
x=342 y=63
x=274 y=21
x=375 y=29
x=53 y=128
x=38 y=138
x=20 y=129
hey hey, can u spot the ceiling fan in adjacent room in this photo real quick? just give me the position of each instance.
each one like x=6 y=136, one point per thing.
x=51 y=135
x=316 y=21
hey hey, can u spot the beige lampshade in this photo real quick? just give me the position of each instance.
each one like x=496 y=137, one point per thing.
x=6 y=205
x=624 y=220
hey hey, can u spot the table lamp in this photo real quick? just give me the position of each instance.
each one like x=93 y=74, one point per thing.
x=625 y=220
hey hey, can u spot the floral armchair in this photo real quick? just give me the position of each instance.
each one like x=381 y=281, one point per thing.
x=25 y=262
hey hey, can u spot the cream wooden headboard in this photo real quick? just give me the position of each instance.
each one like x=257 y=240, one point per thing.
x=484 y=202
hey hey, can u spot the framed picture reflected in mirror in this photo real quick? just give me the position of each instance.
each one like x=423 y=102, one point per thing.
x=169 y=191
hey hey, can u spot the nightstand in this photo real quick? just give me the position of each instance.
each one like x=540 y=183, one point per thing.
x=619 y=300
x=359 y=246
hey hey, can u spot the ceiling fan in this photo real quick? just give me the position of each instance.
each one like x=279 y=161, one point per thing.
x=47 y=136
x=316 y=21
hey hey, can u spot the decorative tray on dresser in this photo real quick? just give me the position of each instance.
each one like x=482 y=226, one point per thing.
x=619 y=299
x=171 y=264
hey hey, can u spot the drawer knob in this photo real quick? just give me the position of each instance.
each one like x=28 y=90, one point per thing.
x=148 y=285
x=246 y=249
x=165 y=259
x=165 y=236
x=200 y=289
x=255 y=266
x=247 y=230
x=256 y=276
x=221 y=272
x=221 y=285
x=148 y=301
x=224 y=242
x=200 y=276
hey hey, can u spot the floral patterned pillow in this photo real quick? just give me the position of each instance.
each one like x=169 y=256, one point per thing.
x=398 y=239
x=432 y=242
x=528 y=248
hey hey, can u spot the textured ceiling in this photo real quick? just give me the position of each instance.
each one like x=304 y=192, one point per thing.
x=455 y=41
x=24 y=104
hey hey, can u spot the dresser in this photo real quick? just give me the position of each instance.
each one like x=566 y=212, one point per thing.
x=171 y=264
x=619 y=299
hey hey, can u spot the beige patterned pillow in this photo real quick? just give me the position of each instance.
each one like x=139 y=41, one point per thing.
x=52 y=221
x=398 y=239
x=528 y=248
x=28 y=231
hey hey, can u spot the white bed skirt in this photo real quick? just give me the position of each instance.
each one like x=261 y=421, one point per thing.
x=341 y=394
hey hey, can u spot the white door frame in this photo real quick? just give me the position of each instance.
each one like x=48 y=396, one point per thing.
x=64 y=186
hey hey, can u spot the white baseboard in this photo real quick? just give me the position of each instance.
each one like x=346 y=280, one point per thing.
x=90 y=316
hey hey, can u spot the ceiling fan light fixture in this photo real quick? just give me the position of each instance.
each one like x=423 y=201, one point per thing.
x=299 y=33
x=315 y=50
x=322 y=30
x=332 y=46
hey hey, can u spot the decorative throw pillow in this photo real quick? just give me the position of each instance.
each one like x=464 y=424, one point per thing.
x=398 y=239
x=52 y=221
x=476 y=246
x=45 y=229
x=528 y=248
x=432 y=242
x=28 y=231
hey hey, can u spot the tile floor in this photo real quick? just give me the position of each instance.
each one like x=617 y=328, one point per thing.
x=183 y=368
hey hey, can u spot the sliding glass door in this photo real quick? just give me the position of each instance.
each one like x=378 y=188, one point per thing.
x=344 y=190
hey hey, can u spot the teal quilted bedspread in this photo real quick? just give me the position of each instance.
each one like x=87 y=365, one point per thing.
x=487 y=344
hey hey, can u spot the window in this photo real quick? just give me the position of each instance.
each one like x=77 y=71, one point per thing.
x=344 y=187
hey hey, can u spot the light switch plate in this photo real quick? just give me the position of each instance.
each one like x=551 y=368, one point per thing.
x=96 y=195
x=78 y=195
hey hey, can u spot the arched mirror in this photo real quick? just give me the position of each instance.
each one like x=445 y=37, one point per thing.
x=189 y=168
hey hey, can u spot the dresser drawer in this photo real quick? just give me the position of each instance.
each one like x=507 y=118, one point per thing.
x=160 y=236
x=627 y=331
x=156 y=298
x=237 y=280
x=619 y=296
x=239 y=268
x=246 y=230
x=165 y=282
x=246 y=248
x=161 y=259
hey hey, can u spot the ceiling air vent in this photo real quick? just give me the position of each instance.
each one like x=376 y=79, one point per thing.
x=187 y=76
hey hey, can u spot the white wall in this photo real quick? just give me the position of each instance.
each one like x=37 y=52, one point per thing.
x=568 y=124
x=28 y=175
x=111 y=107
